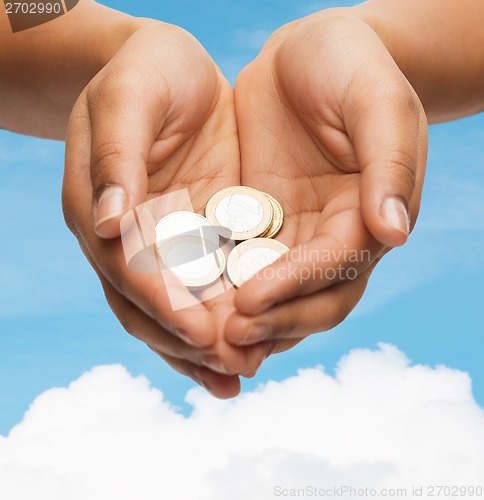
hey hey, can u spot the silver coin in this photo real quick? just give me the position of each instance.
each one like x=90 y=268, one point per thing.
x=239 y=213
x=197 y=263
x=186 y=224
x=248 y=258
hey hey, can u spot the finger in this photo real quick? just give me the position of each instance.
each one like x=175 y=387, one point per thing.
x=126 y=115
x=283 y=345
x=156 y=295
x=220 y=357
x=272 y=347
x=237 y=360
x=220 y=386
x=365 y=105
x=227 y=358
x=342 y=251
x=386 y=125
x=137 y=98
x=389 y=137
x=144 y=328
x=149 y=292
x=298 y=318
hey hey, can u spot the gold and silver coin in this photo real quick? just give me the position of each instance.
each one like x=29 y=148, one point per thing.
x=196 y=262
x=240 y=213
x=189 y=244
x=277 y=218
x=185 y=224
x=250 y=256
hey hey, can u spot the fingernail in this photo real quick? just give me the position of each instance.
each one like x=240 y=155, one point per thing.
x=395 y=214
x=186 y=338
x=257 y=333
x=111 y=204
x=214 y=363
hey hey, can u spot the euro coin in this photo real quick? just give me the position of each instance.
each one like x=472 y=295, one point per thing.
x=185 y=224
x=250 y=256
x=239 y=213
x=277 y=219
x=197 y=263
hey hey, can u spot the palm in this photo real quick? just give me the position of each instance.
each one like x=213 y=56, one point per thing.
x=330 y=126
x=317 y=181
x=307 y=161
x=205 y=159
x=195 y=148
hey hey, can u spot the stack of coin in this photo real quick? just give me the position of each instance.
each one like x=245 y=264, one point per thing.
x=251 y=217
x=277 y=218
x=240 y=213
x=189 y=244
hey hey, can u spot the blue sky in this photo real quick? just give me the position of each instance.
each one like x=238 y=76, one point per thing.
x=426 y=298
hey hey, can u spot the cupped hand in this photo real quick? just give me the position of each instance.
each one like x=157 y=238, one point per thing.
x=330 y=126
x=158 y=118
x=327 y=123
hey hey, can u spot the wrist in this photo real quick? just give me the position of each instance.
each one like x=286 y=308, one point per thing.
x=115 y=36
x=381 y=24
x=434 y=43
x=388 y=31
x=402 y=43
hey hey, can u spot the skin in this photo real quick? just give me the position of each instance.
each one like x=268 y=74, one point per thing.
x=307 y=133
x=181 y=134
x=302 y=127
x=437 y=45
x=38 y=73
x=308 y=107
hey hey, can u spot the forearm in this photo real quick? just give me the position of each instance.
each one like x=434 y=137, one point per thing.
x=439 y=46
x=44 y=69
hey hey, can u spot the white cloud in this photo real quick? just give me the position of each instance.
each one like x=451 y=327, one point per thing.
x=379 y=423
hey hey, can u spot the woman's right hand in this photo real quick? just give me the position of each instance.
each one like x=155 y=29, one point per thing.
x=159 y=117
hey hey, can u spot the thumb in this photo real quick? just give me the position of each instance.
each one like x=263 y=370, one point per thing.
x=123 y=130
x=389 y=134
